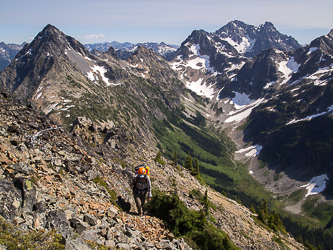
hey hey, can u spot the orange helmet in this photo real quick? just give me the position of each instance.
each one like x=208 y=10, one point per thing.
x=142 y=171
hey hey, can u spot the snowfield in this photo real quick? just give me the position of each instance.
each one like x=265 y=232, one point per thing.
x=287 y=68
x=37 y=93
x=200 y=88
x=101 y=71
x=243 y=111
x=245 y=45
x=253 y=151
x=316 y=185
x=198 y=61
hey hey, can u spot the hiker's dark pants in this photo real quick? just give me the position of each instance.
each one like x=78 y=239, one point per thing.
x=140 y=200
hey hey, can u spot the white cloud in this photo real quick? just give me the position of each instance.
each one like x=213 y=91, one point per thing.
x=94 y=36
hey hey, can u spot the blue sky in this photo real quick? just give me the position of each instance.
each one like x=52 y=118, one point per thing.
x=158 y=21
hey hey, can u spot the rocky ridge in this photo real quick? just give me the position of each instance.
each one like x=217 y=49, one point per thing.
x=63 y=80
x=51 y=183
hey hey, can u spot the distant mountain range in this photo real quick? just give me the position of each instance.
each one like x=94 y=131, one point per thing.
x=124 y=50
x=270 y=95
x=7 y=53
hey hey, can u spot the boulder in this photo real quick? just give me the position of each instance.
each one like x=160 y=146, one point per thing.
x=57 y=219
x=79 y=225
x=10 y=200
x=22 y=167
x=90 y=235
x=28 y=191
x=90 y=219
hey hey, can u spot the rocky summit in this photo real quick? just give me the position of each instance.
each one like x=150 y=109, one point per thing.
x=55 y=179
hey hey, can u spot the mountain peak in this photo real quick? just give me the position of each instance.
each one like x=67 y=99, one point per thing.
x=50 y=27
x=268 y=24
x=50 y=30
x=236 y=23
x=141 y=50
x=110 y=53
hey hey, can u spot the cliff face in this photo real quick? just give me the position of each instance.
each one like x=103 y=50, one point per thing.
x=76 y=182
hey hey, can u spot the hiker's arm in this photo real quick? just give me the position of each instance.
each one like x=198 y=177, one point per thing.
x=149 y=188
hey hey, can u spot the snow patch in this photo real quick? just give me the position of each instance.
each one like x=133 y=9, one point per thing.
x=287 y=68
x=312 y=49
x=253 y=151
x=89 y=59
x=234 y=67
x=316 y=185
x=37 y=92
x=28 y=52
x=200 y=88
x=269 y=84
x=101 y=71
x=198 y=62
x=50 y=108
x=39 y=95
x=243 y=111
x=316 y=76
x=245 y=45
x=91 y=77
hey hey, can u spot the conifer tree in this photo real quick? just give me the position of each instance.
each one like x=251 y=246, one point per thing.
x=188 y=163
x=196 y=167
x=175 y=159
x=205 y=203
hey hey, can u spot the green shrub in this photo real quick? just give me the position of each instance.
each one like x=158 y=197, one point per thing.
x=158 y=159
x=95 y=245
x=14 y=239
x=201 y=181
x=190 y=224
x=272 y=220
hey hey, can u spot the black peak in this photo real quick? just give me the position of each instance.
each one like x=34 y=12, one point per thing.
x=49 y=30
x=49 y=35
x=49 y=27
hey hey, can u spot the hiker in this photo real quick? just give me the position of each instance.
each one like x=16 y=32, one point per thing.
x=141 y=188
